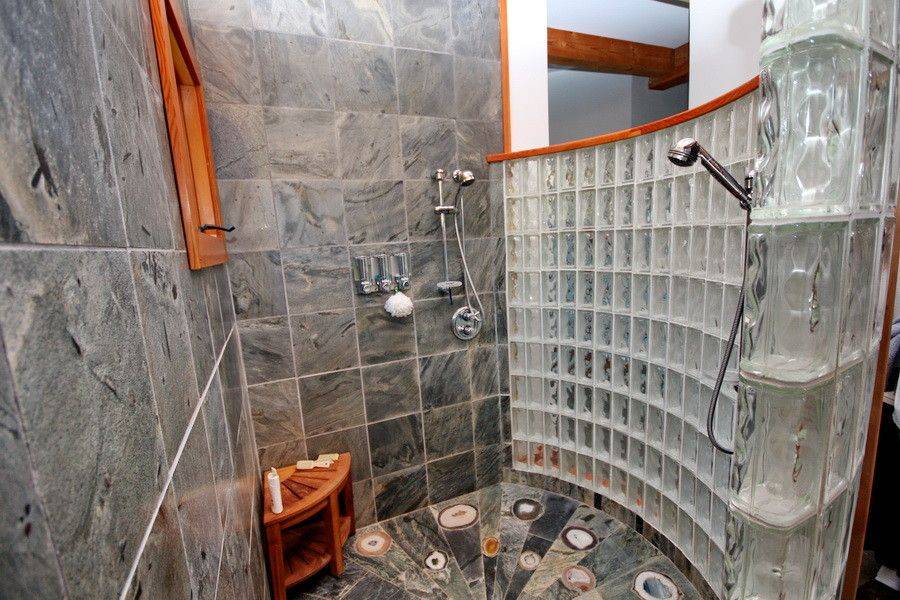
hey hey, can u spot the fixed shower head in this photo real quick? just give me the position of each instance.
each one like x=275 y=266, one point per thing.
x=463 y=178
x=686 y=152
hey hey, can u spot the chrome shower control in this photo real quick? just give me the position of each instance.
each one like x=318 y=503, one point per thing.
x=466 y=322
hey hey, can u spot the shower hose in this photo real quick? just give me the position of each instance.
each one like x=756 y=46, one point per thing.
x=461 y=241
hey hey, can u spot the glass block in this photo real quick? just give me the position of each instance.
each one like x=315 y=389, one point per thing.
x=606 y=201
x=702 y=499
x=741 y=124
x=695 y=297
x=569 y=283
x=586 y=363
x=779 y=460
x=531 y=288
x=514 y=288
x=662 y=250
x=659 y=296
x=549 y=251
x=551 y=394
x=550 y=211
x=716 y=249
x=671 y=472
x=606 y=249
x=643 y=244
x=848 y=396
x=568 y=465
x=689 y=447
x=533 y=323
x=883 y=269
x=532 y=251
x=604 y=283
x=586 y=470
x=603 y=368
x=586 y=289
x=656 y=385
x=516 y=323
x=520 y=452
x=568 y=401
x=701 y=549
x=662 y=202
x=619 y=448
x=664 y=141
x=531 y=213
x=693 y=351
x=705 y=457
x=587 y=200
x=624 y=206
x=622 y=335
x=655 y=426
x=817 y=86
x=625 y=161
x=550 y=173
x=833 y=526
x=622 y=292
x=676 y=345
x=669 y=518
x=674 y=428
x=567 y=432
x=722 y=137
x=568 y=322
x=603 y=404
x=568 y=171
x=700 y=199
x=602 y=474
x=621 y=372
x=791 y=316
x=712 y=320
x=517 y=391
x=567 y=210
x=653 y=505
x=586 y=249
x=691 y=406
x=511 y=180
x=638 y=417
x=686 y=494
x=640 y=337
x=681 y=250
x=551 y=359
x=636 y=463
x=645 y=161
x=643 y=205
x=586 y=403
x=587 y=167
x=550 y=287
x=513 y=215
x=531 y=173
x=624 y=249
x=606 y=165
x=641 y=294
x=619 y=485
x=698 y=251
x=875 y=129
x=639 y=378
x=734 y=254
x=858 y=289
x=682 y=193
x=603 y=325
x=705 y=130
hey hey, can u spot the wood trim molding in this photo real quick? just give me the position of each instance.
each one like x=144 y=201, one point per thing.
x=504 y=78
x=665 y=67
x=698 y=111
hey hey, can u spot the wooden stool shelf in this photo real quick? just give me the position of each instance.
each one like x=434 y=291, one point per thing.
x=310 y=533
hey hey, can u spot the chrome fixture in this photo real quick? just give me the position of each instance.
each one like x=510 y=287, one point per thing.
x=466 y=322
x=381 y=273
x=685 y=154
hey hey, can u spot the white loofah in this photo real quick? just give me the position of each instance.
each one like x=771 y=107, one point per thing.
x=399 y=305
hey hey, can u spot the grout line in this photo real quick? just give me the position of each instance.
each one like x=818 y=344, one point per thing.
x=174 y=464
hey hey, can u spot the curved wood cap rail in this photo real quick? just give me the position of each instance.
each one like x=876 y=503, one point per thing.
x=699 y=111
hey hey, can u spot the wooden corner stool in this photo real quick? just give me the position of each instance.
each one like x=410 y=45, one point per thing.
x=311 y=530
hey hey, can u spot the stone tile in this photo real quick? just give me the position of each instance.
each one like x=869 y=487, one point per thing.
x=228 y=60
x=474 y=141
x=505 y=423
x=294 y=70
x=391 y=390
x=33 y=570
x=135 y=151
x=283 y=454
x=275 y=408
x=162 y=569
x=421 y=197
x=476 y=199
x=370 y=146
x=167 y=342
x=396 y=444
x=476 y=28
x=235 y=12
x=428 y=144
x=488 y=465
x=310 y=213
x=306 y=17
x=444 y=379
x=238 y=137
x=194 y=288
x=477 y=89
x=234 y=572
x=317 y=276
x=132 y=20
x=363 y=77
x=486 y=421
x=324 y=341
x=374 y=212
x=383 y=338
x=74 y=314
x=425 y=84
x=448 y=430
x=266 y=349
x=360 y=20
x=223 y=291
x=216 y=420
x=57 y=160
x=483 y=370
x=257 y=284
x=400 y=493
x=422 y=24
x=451 y=477
x=247 y=205
x=364 y=503
x=217 y=298
x=300 y=143
x=351 y=440
x=495 y=191
x=502 y=333
x=198 y=511
x=484 y=257
x=427 y=264
x=433 y=333
x=234 y=391
x=331 y=402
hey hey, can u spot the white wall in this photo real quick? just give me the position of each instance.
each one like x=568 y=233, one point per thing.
x=650 y=105
x=725 y=36
x=583 y=104
x=528 y=80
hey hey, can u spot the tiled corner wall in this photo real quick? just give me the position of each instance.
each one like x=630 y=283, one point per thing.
x=122 y=395
x=327 y=120
x=623 y=273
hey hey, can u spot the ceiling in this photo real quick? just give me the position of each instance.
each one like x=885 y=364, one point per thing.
x=646 y=21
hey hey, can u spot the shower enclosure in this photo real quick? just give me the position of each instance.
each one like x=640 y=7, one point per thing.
x=623 y=273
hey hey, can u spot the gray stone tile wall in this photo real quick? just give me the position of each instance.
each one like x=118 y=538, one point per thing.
x=327 y=120
x=109 y=346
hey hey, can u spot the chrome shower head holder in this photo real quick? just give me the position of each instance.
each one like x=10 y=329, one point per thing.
x=687 y=151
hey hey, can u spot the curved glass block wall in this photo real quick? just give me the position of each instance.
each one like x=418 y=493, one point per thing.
x=623 y=273
x=818 y=260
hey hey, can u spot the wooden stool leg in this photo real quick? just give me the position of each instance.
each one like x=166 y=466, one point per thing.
x=276 y=561
x=347 y=497
x=332 y=518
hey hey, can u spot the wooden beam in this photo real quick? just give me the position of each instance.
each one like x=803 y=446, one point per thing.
x=570 y=49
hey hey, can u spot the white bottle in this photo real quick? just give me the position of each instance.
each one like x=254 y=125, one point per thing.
x=275 y=490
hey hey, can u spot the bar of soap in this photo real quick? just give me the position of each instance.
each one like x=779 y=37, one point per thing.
x=306 y=464
x=331 y=457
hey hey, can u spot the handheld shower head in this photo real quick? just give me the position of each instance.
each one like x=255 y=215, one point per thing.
x=686 y=152
x=463 y=178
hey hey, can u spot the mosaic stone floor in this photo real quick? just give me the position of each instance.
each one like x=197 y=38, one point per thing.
x=506 y=541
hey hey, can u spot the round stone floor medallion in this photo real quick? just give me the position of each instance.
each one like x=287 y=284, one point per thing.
x=374 y=543
x=579 y=538
x=529 y=561
x=578 y=579
x=436 y=561
x=458 y=516
x=490 y=546
x=527 y=509
x=650 y=585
